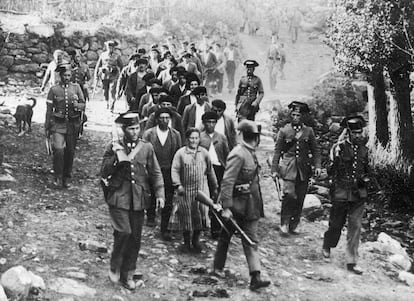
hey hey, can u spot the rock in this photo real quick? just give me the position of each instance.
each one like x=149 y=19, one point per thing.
x=77 y=275
x=390 y=245
x=7 y=60
x=17 y=52
x=335 y=128
x=400 y=261
x=25 y=68
x=7 y=178
x=92 y=245
x=3 y=261
x=312 y=207
x=5 y=111
x=40 y=58
x=91 y=56
x=117 y=298
x=16 y=281
x=21 y=60
x=71 y=287
x=3 y=296
x=34 y=50
x=311 y=201
x=321 y=190
x=406 y=277
x=37 y=281
x=67 y=299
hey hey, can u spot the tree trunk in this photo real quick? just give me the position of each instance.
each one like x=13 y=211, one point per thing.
x=381 y=112
x=400 y=109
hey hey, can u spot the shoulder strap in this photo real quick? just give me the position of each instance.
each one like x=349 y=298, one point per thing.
x=136 y=150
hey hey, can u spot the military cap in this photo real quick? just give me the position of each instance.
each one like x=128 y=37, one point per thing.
x=142 y=61
x=250 y=63
x=166 y=98
x=198 y=90
x=219 y=104
x=174 y=69
x=249 y=126
x=155 y=90
x=354 y=123
x=62 y=66
x=147 y=77
x=209 y=115
x=299 y=107
x=181 y=70
x=128 y=119
x=111 y=43
x=142 y=51
x=162 y=111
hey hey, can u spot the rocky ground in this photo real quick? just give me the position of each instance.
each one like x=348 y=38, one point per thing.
x=64 y=236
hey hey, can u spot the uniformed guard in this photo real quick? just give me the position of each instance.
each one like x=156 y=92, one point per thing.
x=249 y=93
x=296 y=148
x=241 y=198
x=129 y=171
x=80 y=72
x=65 y=103
x=349 y=174
x=108 y=68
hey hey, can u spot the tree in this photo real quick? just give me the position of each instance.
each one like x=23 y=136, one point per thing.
x=376 y=37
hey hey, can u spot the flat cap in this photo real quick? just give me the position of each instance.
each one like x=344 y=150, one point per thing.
x=162 y=111
x=209 y=115
x=299 y=107
x=219 y=104
x=198 y=90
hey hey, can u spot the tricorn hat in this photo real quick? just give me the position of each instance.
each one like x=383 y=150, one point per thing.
x=354 y=123
x=250 y=63
x=299 y=107
x=249 y=126
x=128 y=119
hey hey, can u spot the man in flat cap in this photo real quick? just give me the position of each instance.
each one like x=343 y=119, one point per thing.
x=129 y=171
x=296 y=150
x=218 y=149
x=137 y=82
x=107 y=68
x=166 y=141
x=121 y=85
x=193 y=113
x=180 y=88
x=64 y=106
x=225 y=124
x=80 y=72
x=189 y=65
x=249 y=93
x=349 y=172
x=241 y=198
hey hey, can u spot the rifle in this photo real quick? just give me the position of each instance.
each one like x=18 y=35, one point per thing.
x=276 y=180
x=204 y=199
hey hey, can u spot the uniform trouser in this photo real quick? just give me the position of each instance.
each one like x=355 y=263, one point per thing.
x=251 y=253
x=127 y=239
x=293 y=195
x=230 y=71
x=109 y=86
x=169 y=192
x=340 y=211
x=215 y=225
x=63 y=154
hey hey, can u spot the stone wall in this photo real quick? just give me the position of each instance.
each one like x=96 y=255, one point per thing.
x=24 y=57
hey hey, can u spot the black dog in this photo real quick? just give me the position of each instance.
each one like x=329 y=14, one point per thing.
x=24 y=114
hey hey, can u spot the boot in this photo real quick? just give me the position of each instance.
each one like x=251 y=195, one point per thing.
x=114 y=275
x=196 y=241
x=58 y=183
x=326 y=252
x=352 y=267
x=66 y=183
x=127 y=281
x=284 y=230
x=256 y=282
x=186 y=246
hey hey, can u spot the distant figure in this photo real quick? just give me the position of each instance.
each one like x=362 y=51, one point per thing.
x=294 y=20
x=51 y=76
x=273 y=62
x=80 y=72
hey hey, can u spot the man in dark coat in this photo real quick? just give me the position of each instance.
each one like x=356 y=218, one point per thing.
x=80 y=72
x=180 y=88
x=349 y=171
x=218 y=149
x=225 y=124
x=294 y=144
x=192 y=113
x=136 y=83
x=241 y=197
x=129 y=171
x=166 y=141
x=126 y=72
x=249 y=93
x=189 y=98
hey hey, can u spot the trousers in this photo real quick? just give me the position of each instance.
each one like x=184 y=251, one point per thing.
x=215 y=225
x=63 y=154
x=340 y=212
x=251 y=253
x=293 y=195
x=127 y=227
x=109 y=86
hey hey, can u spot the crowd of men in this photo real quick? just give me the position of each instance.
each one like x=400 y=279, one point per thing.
x=173 y=143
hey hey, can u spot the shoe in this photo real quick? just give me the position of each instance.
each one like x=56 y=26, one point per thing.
x=66 y=183
x=197 y=247
x=219 y=273
x=352 y=267
x=128 y=282
x=166 y=236
x=326 y=252
x=113 y=276
x=284 y=230
x=58 y=183
x=256 y=282
x=151 y=222
x=294 y=232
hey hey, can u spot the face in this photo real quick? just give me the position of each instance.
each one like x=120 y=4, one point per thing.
x=202 y=98
x=356 y=137
x=132 y=132
x=142 y=67
x=296 y=117
x=193 y=140
x=250 y=70
x=166 y=105
x=193 y=85
x=182 y=80
x=65 y=76
x=155 y=97
x=174 y=76
x=219 y=111
x=111 y=49
x=77 y=58
x=210 y=125
x=163 y=120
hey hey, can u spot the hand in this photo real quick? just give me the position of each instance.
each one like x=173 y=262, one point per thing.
x=255 y=104
x=217 y=207
x=318 y=172
x=180 y=190
x=226 y=213
x=116 y=146
x=275 y=175
x=160 y=203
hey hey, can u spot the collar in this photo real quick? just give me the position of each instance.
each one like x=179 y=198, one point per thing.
x=248 y=146
x=189 y=151
x=297 y=127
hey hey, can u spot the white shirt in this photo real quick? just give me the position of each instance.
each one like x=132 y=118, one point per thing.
x=212 y=152
x=162 y=135
x=220 y=126
x=199 y=112
x=193 y=99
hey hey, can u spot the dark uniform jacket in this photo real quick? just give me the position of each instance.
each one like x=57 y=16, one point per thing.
x=220 y=144
x=296 y=152
x=349 y=166
x=240 y=189
x=247 y=92
x=81 y=75
x=128 y=183
x=62 y=115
